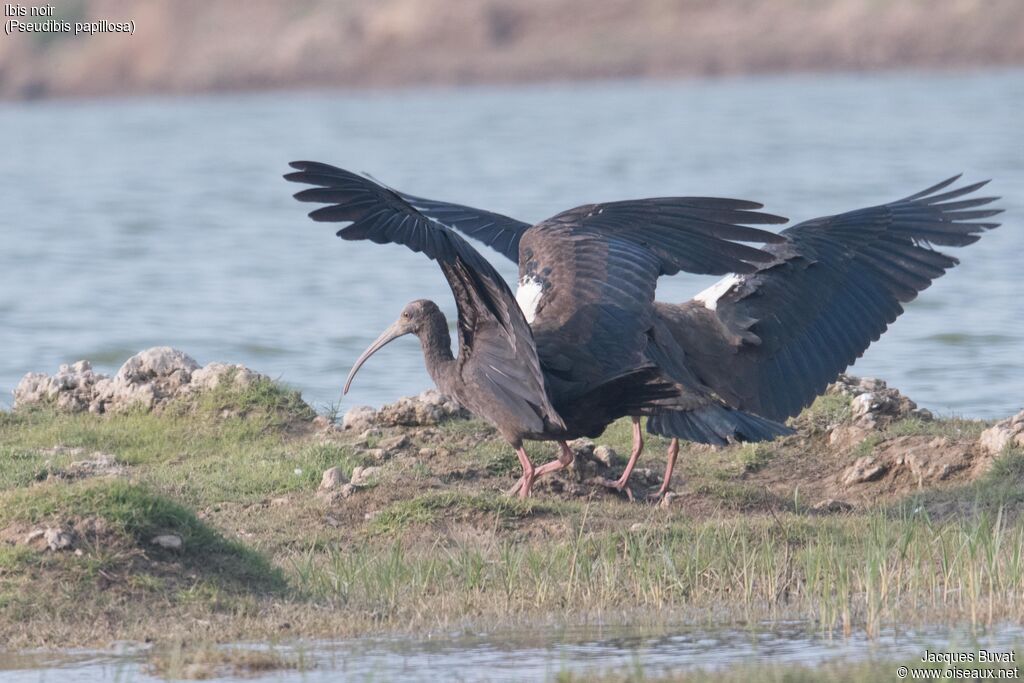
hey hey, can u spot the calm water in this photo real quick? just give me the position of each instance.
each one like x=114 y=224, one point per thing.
x=513 y=657
x=165 y=221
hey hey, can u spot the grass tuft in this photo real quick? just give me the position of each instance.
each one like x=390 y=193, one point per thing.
x=135 y=514
x=827 y=411
x=263 y=398
x=431 y=507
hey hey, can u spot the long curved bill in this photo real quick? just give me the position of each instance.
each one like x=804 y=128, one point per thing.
x=389 y=335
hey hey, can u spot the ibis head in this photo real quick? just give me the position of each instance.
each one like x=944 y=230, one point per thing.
x=416 y=318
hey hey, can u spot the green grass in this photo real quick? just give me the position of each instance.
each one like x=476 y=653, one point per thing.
x=201 y=458
x=436 y=544
x=755 y=456
x=826 y=411
x=1001 y=488
x=430 y=507
x=952 y=428
x=137 y=514
x=263 y=399
x=872 y=670
x=867 y=446
x=841 y=572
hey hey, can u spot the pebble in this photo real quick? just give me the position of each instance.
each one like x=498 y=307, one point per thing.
x=332 y=478
x=168 y=541
x=58 y=538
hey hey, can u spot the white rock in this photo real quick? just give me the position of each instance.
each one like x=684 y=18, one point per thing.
x=996 y=438
x=58 y=538
x=332 y=479
x=168 y=541
x=33 y=388
x=864 y=469
x=861 y=405
x=359 y=418
x=429 y=408
x=1003 y=434
x=211 y=375
x=159 y=361
x=363 y=476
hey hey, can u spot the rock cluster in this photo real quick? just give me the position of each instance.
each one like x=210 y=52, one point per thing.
x=1008 y=432
x=68 y=535
x=875 y=404
x=429 y=408
x=147 y=380
x=334 y=485
x=873 y=407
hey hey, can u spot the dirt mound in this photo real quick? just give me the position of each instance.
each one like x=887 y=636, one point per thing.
x=904 y=464
x=69 y=535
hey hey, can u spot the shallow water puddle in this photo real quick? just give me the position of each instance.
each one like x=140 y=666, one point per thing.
x=533 y=655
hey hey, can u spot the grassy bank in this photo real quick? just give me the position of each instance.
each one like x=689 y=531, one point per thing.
x=429 y=541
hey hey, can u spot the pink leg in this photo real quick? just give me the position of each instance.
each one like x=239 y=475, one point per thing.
x=528 y=472
x=673 y=453
x=565 y=457
x=638 y=448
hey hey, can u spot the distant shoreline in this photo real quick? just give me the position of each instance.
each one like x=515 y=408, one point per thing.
x=444 y=43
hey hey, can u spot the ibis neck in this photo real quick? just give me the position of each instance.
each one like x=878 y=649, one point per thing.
x=437 y=352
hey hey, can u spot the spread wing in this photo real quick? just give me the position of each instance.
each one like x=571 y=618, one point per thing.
x=588 y=275
x=496 y=345
x=493 y=229
x=771 y=341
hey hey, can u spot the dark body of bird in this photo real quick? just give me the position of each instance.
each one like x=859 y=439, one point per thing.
x=571 y=365
x=766 y=341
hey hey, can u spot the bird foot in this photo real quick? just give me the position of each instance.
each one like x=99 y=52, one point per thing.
x=615 y=485
x=520 y=488
x=516 y=488
x=658 y=497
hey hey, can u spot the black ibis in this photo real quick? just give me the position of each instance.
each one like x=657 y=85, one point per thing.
x=767 y=342
x=567 y=355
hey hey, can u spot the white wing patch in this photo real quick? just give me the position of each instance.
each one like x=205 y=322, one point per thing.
x=528 y=296
x=710 y=296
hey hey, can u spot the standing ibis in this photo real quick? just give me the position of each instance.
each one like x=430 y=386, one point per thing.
x=766 y=341
x=568 y=353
